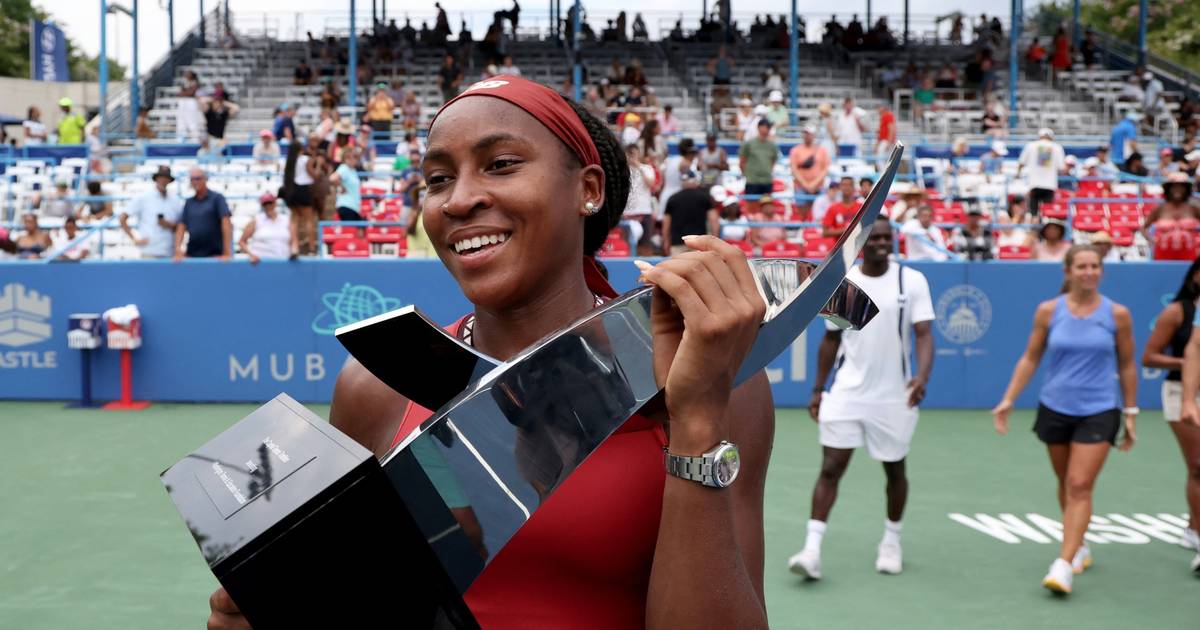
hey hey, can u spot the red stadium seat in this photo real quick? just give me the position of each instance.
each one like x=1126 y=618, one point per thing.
x=778 y=185
x=1054 y=210
x=335 y=233
x=387 y=240
x=1089 y=222
x=781 y=249
x=615 y=247
x=1015 y=252
x=1062 y=194
x=811 y=233
x=745 y=246
x=1093 y=188
x=351 y=248
x=817 y=248
x=950 y=214
x=1123 y=236
x=1093 y=207
x=1123 y=220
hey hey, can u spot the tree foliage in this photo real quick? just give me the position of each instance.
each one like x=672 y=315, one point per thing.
x=1171 y=25
x=15 y=18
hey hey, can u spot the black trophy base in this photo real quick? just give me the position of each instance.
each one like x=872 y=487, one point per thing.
x=304 y=529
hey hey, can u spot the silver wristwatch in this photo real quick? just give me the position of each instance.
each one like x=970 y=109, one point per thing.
x=715 y=469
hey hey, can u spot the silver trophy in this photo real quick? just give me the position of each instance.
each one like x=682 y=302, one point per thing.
x=507 y=434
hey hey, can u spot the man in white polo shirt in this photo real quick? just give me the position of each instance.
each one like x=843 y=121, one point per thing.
x=874 y=397
x=156 y=212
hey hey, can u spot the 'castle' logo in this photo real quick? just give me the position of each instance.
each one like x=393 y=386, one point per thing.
x=24 y=316
x=964 y=314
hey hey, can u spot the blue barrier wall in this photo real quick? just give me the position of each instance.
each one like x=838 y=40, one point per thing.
x=234 y=332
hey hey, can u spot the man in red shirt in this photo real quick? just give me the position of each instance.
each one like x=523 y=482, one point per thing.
x=839 y=214
x=887 y=131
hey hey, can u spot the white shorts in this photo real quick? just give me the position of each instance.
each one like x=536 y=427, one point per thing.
x=886 y=429
x=1172 y=400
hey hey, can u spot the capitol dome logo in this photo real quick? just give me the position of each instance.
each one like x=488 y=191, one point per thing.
x=964 y=314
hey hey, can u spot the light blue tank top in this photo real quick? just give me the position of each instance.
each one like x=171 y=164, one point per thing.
x=1081 y=361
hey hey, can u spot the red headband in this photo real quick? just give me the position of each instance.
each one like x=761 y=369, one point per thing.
x=542 y=103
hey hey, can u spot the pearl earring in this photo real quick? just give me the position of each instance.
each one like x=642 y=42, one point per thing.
x=590 y=208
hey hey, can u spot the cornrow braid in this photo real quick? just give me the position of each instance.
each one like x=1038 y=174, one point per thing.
x=616 y=180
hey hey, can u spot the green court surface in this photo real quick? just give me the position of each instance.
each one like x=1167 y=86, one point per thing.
x=89 y=539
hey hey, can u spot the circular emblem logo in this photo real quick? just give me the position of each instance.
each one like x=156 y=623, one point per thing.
x=485 y=85
x=964 y=314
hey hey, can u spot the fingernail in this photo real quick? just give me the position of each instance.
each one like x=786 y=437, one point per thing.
x=643 y=265
x=690 y=237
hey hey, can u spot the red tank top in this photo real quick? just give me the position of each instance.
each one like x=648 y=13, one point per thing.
x=583 y=559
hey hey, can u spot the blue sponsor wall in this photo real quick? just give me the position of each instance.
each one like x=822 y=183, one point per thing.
x=235 y=332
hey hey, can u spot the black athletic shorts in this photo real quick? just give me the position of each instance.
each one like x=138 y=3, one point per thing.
x=1037 y=197
x=1053 y=427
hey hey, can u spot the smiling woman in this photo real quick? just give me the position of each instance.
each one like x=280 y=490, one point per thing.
x=524 y=186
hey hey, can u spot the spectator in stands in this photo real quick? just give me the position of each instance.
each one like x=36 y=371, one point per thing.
x=850 y=125
x=1089 y=50
x=205 y=222
x=328 y=118
x=757 y=158
x=1011 y=231
x=96 y=206
x=1166 y=162
x=62 y=239
x=141 y=128
x=746 y=120
x=1105 y=167
x=912 y=196
x=674 y=167
x=1132 y=91
x=720 y=68
x=299 y=174
x=768 y=211
x=923 y=240
x=668 y=122
x=449 y=77
x=974 y=239
x=885 y=138
x=1177 y=202
x=55 y=204
x=266 y=151
x=712 y=159
x=217 y=112
x=639 y=29
x=35 y=131
x=864 y=186
x=409 y=144
x=302 y=75
x=1060 y=59
x=284 y=128
x=631 y=126
x=343 y=140
x=508 y=68
x=1104 y=246
x=777 y=112
x=923 y=99
x=1154 y=102
x=689 y=212
x=852 y=38
x=70 y=127
x=640 y=207
x=635 y=75
x=1051 y=244
x=410 y=110
x=1124 y=137
x=345 y=184
x=380 y=109
x=1135 y=165
x=270 y=234
x=773 y=80
x=960 y=150
x=809 y=163
x=992 y=124
x=157 y=212
x=1041 y=161
x=840 y=212
x=827 y=133
x=595 y=103
x=956 y=30
x=330 y=96
x=35 y=241
x=1036 y=56
x=367 y=151
x=189 y=118
x=411 y=181
x=992 y=162
x=616 y=72
x=1192 y=163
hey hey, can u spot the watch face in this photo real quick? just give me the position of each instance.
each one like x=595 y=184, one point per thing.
x=726 y=465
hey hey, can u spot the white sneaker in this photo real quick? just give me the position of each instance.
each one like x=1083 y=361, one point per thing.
x=889 y=559
x=1190 y=539
x=806 y=564
x=1082 y=560
x=1059 y=578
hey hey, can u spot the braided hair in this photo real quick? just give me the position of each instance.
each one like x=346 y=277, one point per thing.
x=616 y=180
